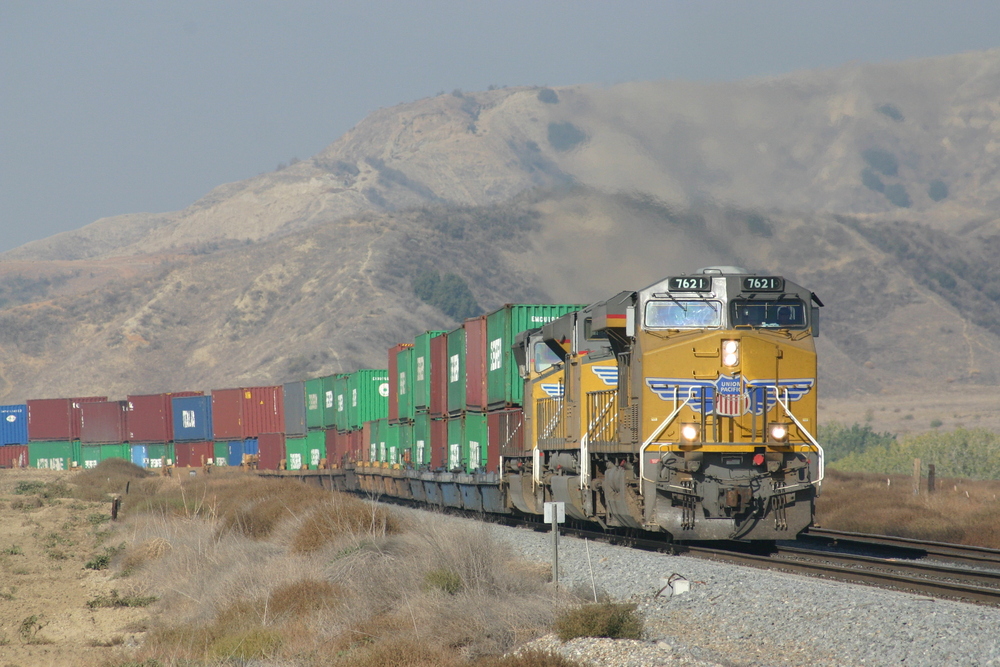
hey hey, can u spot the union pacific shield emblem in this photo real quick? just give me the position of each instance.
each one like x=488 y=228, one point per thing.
x=728 y=397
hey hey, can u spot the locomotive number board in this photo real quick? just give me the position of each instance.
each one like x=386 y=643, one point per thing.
x=690 y=284
x=763 y=284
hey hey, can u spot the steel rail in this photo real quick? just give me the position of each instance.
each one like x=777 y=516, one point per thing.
x=973 y=555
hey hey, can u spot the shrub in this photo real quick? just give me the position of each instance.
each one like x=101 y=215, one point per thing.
x=445 y=580
x=117 y=600
x=838 y=440
x=342 y=516
x=449 y=294
x=897 y=195
x=28 y=488
x=304 y=597
x=250 y=645
x=548 y=96
x=607 y=619
x=564 y=136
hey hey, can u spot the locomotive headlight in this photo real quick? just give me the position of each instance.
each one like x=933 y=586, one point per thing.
x=779 y=432
x=689 y=432
x=730 y=353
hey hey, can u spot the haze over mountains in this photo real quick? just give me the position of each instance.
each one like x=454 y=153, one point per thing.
x=875 y=185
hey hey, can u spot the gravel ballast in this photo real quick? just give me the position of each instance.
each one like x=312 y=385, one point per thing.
x=744 y=616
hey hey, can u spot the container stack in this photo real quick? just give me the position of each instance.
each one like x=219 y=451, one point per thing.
x=192 y=430
x=54 y=432
x=239 y=416
x=150 y=428
x=422 y=390
x=302 y=446
x=399 y=426
x=14 y=451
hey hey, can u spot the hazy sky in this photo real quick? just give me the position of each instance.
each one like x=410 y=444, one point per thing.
x=120 y=107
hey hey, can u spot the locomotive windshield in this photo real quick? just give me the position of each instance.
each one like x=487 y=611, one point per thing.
x=781 y=314
x=683 y=314
x=545 y=358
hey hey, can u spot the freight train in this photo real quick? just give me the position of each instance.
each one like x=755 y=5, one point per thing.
x=687 y=408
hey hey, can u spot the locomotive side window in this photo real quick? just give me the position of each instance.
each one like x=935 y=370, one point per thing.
x=545 y=358
x=590 y=334
x=682 y=314
x=783 y=314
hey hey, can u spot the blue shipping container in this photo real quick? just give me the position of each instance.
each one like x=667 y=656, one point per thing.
x=237 y=448
x=140 y=456
x=13 y=424
x=192 y=418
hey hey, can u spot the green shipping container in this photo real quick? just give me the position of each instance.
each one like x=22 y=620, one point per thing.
x=221 y=454
x=368 y=391
x=341 y=403
x=374 y=436
x=404 y=383
x=315 y=448
x=421 y=451
x=56 y=455
x=406 y=444
x=475 y=440
x=456 y=442
x=393 y=454
x=296 y=452
x=380 y=436
x=327 y=399
x=160 y=455
x=504 y=386
x=456 y=371
x=91 y=455
x=422 y=370
x=315 y=405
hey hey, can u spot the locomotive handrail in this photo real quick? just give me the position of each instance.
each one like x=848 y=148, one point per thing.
x=821 y=463
x=654 y=436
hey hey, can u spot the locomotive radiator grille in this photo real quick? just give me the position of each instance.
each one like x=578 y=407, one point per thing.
x=551 y=425
x=602 y=419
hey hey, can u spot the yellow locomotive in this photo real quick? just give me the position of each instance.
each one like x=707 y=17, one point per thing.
x=688 y=407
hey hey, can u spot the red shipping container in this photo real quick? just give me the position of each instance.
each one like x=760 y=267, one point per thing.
x=506 y=436
x=193 y=454
x=439 y=376
x=475 y=364
x=263 y=410
x=271 y=450
x=355 y=445
x=227 y=414
x=364 y=453
x=56 y=418
x=103 y=423
x=13 y=456
x=394 y=380
x=151 y=416
x=336 y=448
x=439 y=442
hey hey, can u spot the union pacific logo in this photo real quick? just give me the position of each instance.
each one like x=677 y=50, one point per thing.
x=754 y=396
x=608 y=374
x=554 y=390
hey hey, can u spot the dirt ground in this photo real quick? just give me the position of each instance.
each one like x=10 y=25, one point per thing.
x=44 y=586
x=917 y=412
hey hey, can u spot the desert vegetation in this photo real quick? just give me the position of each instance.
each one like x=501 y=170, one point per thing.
x=226 y=569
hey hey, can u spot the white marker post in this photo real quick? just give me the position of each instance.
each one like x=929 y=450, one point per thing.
x=555 y=514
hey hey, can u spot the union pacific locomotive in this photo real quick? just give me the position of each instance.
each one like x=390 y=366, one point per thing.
x=686 y=408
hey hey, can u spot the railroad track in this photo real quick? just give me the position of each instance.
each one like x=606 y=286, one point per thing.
x=906 y=566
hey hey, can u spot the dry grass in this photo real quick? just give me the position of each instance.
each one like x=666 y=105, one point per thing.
x=960 y=511
x=603 y=619
x=111 y=476
x=249 y=569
